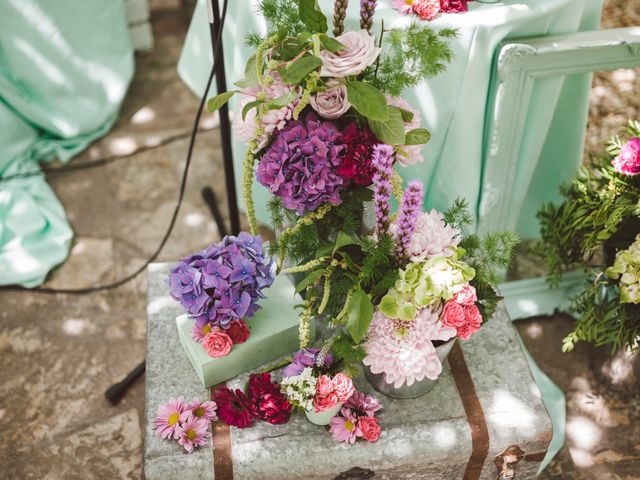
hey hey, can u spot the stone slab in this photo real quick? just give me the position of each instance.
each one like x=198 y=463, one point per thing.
x=428 y=437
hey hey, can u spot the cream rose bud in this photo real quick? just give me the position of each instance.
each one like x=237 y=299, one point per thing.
x=332 y=103
x=358 y=53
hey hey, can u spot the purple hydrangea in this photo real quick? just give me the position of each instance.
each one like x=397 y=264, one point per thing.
x=302 y=359
x=300 y=164
x=224 y=282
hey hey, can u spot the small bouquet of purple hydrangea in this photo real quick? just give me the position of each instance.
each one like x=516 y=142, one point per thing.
x=223 y=283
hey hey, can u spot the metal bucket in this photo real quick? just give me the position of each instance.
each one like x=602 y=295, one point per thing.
x=417 y=389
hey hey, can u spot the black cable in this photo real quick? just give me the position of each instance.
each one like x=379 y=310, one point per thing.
x=183 y=184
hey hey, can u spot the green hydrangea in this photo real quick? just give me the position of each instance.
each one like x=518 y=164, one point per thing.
x=626 y=269
x=425 y=283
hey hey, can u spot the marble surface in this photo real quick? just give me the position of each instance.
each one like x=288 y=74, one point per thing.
x=428 y=437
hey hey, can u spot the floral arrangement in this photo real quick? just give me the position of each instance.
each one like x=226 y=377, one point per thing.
x=429 y=9
x=220 y=287
x=188 y=423
x=326 y=127
x=596 y=228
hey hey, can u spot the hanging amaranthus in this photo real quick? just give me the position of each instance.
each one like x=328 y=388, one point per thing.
x=339 y=14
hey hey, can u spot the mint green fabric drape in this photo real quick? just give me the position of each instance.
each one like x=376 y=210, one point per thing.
x=64 y=69
x=453 y=105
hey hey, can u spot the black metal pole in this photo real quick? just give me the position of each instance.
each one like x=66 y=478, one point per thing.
x=225 y=125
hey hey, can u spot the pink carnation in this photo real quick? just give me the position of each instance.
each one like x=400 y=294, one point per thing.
x=466 y=295
x=628 y=160
x=322 y=403
x=324 y=386
x=426 y=9
x=404 y=351
x=343 y=387
x=473 y=322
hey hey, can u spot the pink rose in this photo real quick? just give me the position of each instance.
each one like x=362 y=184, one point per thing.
x=322 y=403
x=473 y=322
x=453 y=315
x=358 y=53
x=628 y=160
x=343 y=387
x=217 y=343
x=466 y=296
x=324 y=386
x=369 y=428
x=426 y=9
x=332 y=103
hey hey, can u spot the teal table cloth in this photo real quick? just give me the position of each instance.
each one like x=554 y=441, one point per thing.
x=65 y=67
x=453 y=105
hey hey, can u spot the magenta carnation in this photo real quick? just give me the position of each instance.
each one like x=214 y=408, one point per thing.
x=454 y=6
x=628 y=160
x=357 y=166
x=300 y=165
x=268 y=403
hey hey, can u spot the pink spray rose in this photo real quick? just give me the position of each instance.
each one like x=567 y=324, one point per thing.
x=217 y=343
x=473 y=322
x=358 y=53
x=369 y=428
x=322 y=403
x=628 y=160
x=426 y=9
x=332 y=103
x=466 y=296
x=453 y=315
x=343 y=387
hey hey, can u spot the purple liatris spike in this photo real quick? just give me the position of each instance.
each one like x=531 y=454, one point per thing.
x=408 y=215
x=339 y=14
x=367 y=10
x=382 y=160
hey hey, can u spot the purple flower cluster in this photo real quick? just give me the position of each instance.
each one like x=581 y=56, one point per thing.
x=382 y=160
x=308 y=357
x=300 y=164
x=410 y=208
x=223 y=282
x=367 y=10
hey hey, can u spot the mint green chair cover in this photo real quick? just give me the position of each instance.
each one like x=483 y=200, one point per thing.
x=64 y=69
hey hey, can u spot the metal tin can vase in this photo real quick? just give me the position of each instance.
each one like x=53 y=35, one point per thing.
x=323 y=418
x=414 y=390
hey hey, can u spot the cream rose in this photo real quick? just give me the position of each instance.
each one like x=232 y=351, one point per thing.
x=358 y=53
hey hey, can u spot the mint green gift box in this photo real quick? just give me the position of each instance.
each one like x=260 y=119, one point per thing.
x=274 y=334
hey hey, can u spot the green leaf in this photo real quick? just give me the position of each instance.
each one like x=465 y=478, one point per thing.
x=407 y=116
x=362 y=194
x=290 y=48
x=309 y=280
x=389 y=306
x=330 y=43
x=296 y=71
x=250 y=78
x=390 y=131
x=368 y=100
x=218 y=101
x=417 y=136
x=249 y=106
x=282 y=101
x=324 y=250
x=343 y=240
x=312 y=16
x=359 y=314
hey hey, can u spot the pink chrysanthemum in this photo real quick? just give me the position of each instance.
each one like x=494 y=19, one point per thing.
x=432 y=237
x=363 y=404
x=403 y=351
x=403 y=6
x=193 y=432
x=344 y=427
x=201 y=328
x=206 y=410
x=167 y=419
